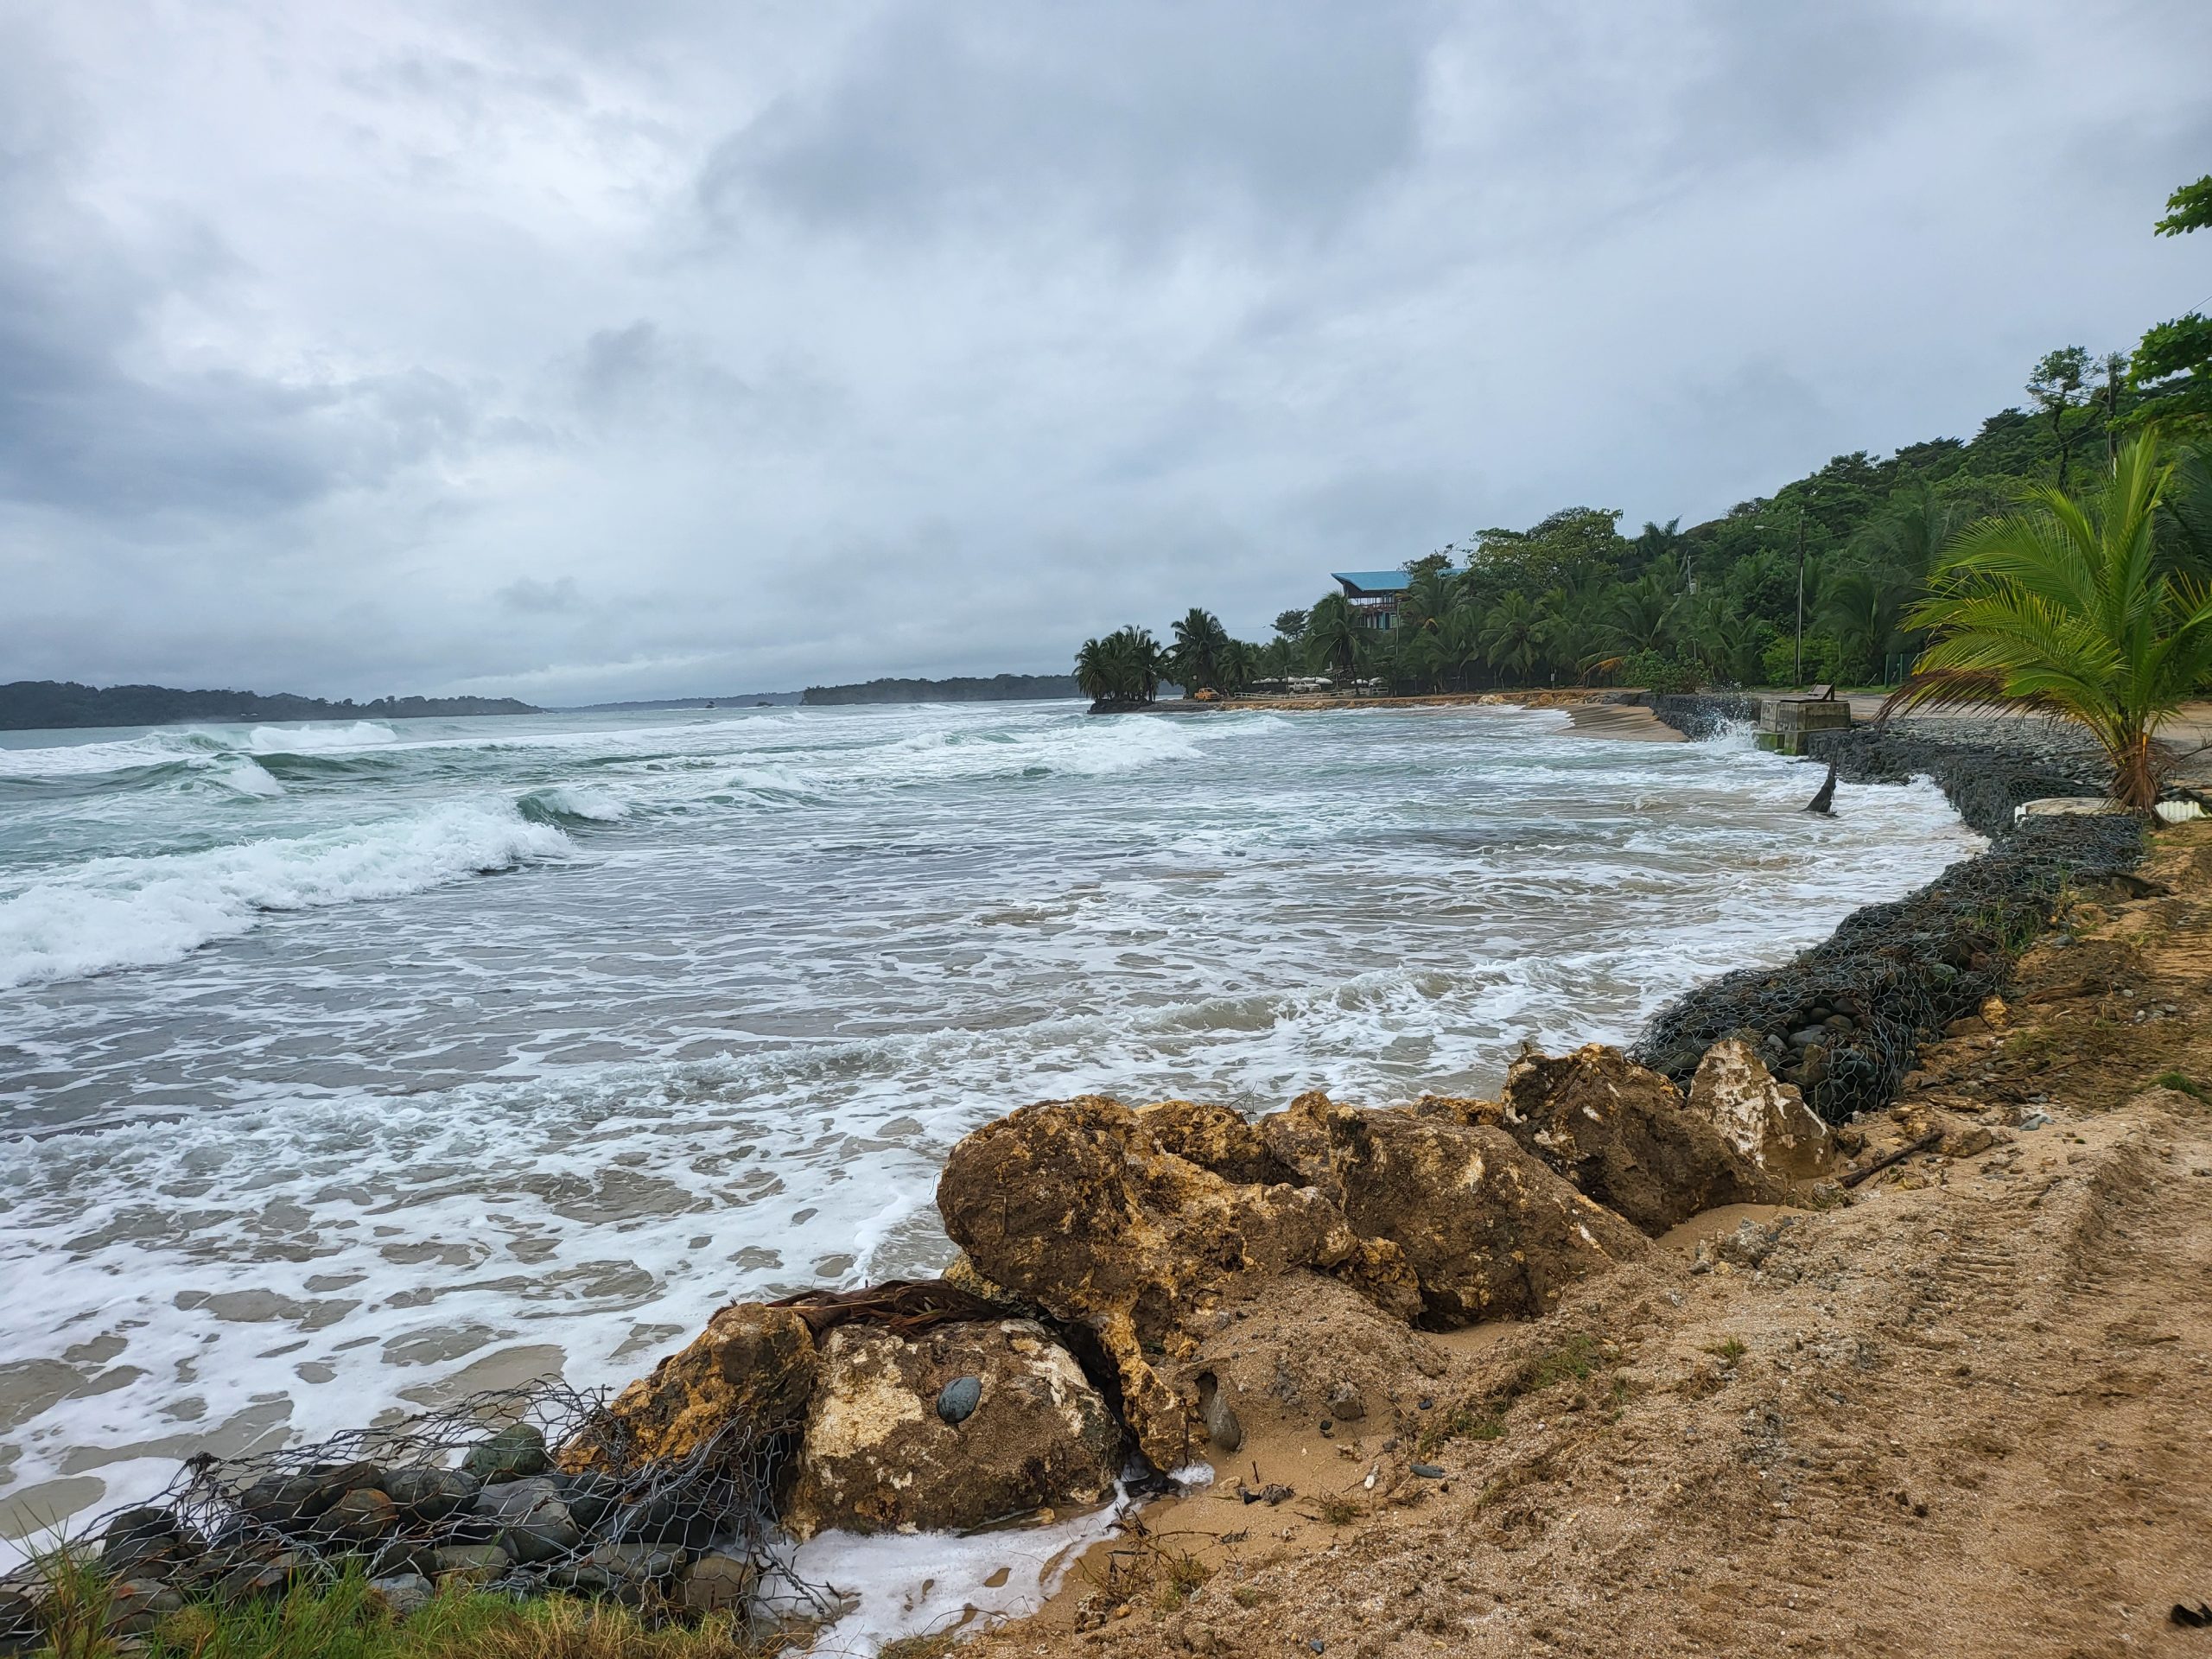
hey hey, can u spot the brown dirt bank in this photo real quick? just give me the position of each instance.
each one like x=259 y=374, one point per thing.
x=1966 y=1413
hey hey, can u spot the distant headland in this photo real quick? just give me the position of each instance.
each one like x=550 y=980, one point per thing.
x=999 y=688
x=48 y=705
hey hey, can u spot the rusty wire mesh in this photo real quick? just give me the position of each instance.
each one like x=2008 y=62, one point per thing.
x=1893 y=975
x=591 y=1516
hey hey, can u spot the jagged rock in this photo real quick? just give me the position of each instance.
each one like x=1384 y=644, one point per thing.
x=1487 y=1230
x=1075 y=1206
x=1767 y=1123
x=1297 y=1137
x=516 y=1453
x=877 y=1456
x=1621 y=1135
x=1216 y=1138
x=753 y=1367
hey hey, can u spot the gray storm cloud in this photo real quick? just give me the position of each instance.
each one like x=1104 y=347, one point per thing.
x=583 y=352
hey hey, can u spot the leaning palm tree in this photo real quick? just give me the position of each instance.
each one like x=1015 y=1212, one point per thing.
x=2062 y=607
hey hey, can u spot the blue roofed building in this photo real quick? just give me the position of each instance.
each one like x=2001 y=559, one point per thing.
x=1375 y=594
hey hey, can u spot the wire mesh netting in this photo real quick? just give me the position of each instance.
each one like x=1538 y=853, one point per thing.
x=520 y=1491
x=1844 y=1020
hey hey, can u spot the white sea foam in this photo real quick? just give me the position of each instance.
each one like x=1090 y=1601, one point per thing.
x=920 y=1584
x=243 y=776
x=124 y=913
x=320 y=739
x=539 y=1123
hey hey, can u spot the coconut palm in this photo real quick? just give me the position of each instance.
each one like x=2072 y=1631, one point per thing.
x=1513 y=634
x=1332 y=635
x=1199 y=641
x=1240 y=665
x=1861 y=608
x=2063 y=607
x=1094 y=672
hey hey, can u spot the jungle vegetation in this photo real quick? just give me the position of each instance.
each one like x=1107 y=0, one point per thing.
x=1846 y=575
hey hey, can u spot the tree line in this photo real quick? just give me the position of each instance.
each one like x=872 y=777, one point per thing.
x=1834 y=577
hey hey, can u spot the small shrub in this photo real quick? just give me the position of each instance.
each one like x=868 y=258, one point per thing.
x=2176 y=1080
x=1728 y=1352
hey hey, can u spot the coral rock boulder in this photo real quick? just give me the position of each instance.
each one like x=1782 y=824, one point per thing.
x=1075 y=1206
x=882 y=1452
x=1767 y=1123
x=1487 y=1230
x=1622 y=1135
x=751 y=1372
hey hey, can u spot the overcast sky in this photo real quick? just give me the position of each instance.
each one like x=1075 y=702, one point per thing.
x=590 y=350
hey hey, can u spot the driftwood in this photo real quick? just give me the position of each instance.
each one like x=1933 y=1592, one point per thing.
x=904 y=1306
x=1888 y=1157
x=1824 y=800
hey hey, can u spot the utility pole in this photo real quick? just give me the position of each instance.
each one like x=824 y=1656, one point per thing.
x=1800 y=668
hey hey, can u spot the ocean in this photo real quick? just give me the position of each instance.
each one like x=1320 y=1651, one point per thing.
x=346 y=1068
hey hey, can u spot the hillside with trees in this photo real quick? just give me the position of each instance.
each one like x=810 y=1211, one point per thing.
x=57 y=705
x=1827 y=579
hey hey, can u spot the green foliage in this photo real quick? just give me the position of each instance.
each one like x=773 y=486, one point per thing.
x=1126 y=666
x=1654 y=672
x=2189 y=208
x=2063 y=607
x=1200 y=641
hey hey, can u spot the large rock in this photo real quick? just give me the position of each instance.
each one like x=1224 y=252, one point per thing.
x=1622 y=1135
x=1767 y=1123
x=1216 y=1138
x=751 y=1372
x=885 y=1451
x=1075 y=1206
x=1487 y=1230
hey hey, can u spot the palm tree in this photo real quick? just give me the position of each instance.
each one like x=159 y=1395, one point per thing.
x=1513 y=633
x=1861 y=608
x=1130 y=662
x=1200 y=640
x=1240 y=665
x=1332 y=635
x=2062 y=607
x=1094 y=670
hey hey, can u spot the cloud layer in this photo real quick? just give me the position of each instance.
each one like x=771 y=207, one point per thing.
x=583 y=352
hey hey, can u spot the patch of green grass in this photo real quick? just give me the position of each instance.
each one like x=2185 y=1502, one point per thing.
x=2176 y=1080
x=339 y=1618
x=1180 y=1576
x=1728 y=1352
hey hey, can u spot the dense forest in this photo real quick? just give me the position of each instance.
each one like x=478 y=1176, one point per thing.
x=1820 y=580
x=52 y=705
x=999 y=688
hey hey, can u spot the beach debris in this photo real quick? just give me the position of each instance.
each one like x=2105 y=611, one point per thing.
x=1823 y=801
x=1767 y=1123
x=1428 y=1470
x=1621 y=1135
x=875 y=1457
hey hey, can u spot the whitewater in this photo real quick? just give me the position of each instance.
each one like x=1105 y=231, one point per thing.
x=344 y=1069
